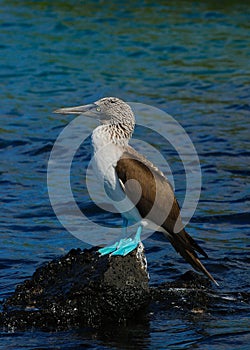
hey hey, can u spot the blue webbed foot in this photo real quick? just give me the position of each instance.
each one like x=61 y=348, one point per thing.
x=125 y=246
x=109 y=249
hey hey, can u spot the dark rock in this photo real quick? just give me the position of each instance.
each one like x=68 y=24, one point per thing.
x=81 y=288
x=86 y=289
x=189 y=293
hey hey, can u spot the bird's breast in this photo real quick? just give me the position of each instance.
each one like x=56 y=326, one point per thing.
x=106 y=156
x=104 y=161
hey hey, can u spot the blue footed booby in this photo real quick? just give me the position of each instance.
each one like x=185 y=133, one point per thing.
x=140 y=191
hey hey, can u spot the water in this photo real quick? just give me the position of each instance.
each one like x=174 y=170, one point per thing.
x=189 y=59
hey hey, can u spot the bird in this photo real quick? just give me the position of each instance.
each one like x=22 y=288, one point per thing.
x=141 y=192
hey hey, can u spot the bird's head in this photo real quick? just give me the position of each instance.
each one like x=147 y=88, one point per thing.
x=108 y=110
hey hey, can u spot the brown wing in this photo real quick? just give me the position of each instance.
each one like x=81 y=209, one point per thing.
x=151 y=185
x=157 y=203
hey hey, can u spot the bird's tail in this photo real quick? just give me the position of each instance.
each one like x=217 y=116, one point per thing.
x=187 y=247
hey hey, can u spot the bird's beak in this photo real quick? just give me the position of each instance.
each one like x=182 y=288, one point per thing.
x=87 y=110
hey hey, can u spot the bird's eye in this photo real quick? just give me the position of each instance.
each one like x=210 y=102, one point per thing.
x=98 y=109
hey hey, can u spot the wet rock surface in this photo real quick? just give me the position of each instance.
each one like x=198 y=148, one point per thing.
x=80 y=288
x=83 y=288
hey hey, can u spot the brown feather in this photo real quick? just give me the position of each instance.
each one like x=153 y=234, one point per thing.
x=165 y=211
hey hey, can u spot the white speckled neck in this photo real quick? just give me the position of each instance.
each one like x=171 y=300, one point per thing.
x=105 y=134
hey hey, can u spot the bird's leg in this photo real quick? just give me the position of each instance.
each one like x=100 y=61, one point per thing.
x=125 y=246
x=116 y=245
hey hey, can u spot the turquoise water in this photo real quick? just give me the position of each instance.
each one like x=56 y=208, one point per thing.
x=188 y=58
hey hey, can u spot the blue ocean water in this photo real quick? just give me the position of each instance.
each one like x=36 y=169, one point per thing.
x=189 y=59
